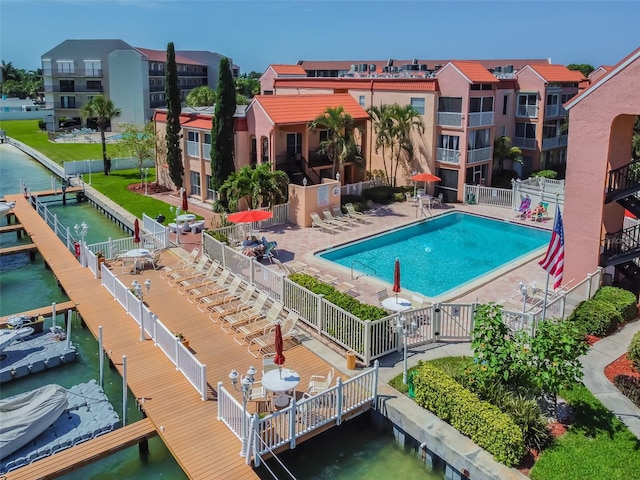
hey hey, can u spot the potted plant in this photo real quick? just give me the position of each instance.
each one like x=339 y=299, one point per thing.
x=101 y=259
x=180 y=336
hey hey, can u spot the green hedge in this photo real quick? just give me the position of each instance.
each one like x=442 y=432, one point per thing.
x=629 y=386
x=484 y=423
x=552 y=174
x=596 y=317
x=625 y=301
x=342 y=300
x=633 y=351
x=382 y=194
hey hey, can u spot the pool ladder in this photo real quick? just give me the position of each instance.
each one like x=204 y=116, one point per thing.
x=364 y=274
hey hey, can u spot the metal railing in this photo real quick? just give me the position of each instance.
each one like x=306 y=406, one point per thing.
x=479 y=155
x=480 y=119
x=449 y=119
x=447 y=155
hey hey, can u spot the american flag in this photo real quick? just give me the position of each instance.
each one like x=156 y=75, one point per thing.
x=553 y=262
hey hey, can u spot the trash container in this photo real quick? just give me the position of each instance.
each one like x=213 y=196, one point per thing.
x=160 y=218
x=351 y=360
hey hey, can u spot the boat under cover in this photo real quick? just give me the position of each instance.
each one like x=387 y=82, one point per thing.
x=25 y=416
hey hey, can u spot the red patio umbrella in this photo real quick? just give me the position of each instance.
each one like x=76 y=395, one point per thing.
x=424 y=177
x=279 y=358
x=249 y=216
x=136 y=231
x=396 y=277
x=185 y=202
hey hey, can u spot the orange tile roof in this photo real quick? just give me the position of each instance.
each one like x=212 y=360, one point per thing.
x=558 y=73
x=289 y=109
x=378 y=84
x=475 y=72
x=186 y=120
x=288 y=69
x=161 y=56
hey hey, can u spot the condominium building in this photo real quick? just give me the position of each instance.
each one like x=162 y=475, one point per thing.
x=132 y=78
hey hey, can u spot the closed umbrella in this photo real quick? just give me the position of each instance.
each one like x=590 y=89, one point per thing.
x=279 y=358
x=185 y=202
x=396 y=277
x=136 y=231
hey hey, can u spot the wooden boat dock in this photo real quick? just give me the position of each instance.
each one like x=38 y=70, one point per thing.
x=203 y=446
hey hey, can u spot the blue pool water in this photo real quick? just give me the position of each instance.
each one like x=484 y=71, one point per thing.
x=440 y=254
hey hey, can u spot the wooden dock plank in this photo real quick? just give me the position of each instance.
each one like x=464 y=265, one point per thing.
x=45 y=312
x=11 y=228
x=202 y=445
x=30 y=247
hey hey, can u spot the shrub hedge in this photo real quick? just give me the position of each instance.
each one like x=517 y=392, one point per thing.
x=484 y=423
x=629 y=386
x=596 y=317
x=633 y=352
x=625 y=301
x=381 y=194
x=552 y=174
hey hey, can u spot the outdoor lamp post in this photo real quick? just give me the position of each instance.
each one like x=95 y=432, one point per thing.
x=523 y=292
x=305 y=182
x=246 y=385
x=137 y=288
x=81 y=230
x=405 y=329
x=146 y=181
x=177 y=211
x=338 y=176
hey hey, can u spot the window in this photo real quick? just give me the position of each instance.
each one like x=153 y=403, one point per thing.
x=505 y=104
x=65 y=66
x=207 y=139
x=566 y=97
x=67 y=102
x=294 y=144
x=95 y=85
x=92 y=68
x=450 y=142
x=67 y=85
x=192 y=136
x=479 y=139
x=195 y=182
x=550 y=129
x=450 y=104
x=480 y=104
x=323 y=135
x=361 y=100
x=528 y=100
x=525 y=130
x=552 y=99
x=418 y=104
x=482 y=86
x=265 y=149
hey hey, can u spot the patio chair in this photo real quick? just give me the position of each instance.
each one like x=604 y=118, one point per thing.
x=197 y=293
x=268 y=252
x=268 y=364
x=323 y=225
x=181 y=274
x=337 y=213
x=348 y=288
x=268 y=340
x=190 y=261
x=197 y=283
x=437 y=200
x=417 y=301
x=353 y=213
x=382 y=294
x=262 y=326
x=328 y=217
x=274 y=247
x=540 y=212
x=524 y=208
x=245 y=314
x=320 y=383
x=220 y=295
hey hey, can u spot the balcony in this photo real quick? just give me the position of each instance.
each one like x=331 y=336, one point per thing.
x=449 y=119
x=447 y=155
x=81 y=72
x=75 y=89
x=554 y=111
x=479 y=155
x=526 y=143
x=206 y=151
x=527 y=111
x=67 y=105
x=193 y=149
x=480 y=119
x=554 y=142
x=156 y=88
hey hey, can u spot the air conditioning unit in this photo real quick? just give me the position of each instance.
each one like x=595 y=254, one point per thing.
x=437 y=67
x=390 y=62
x=414 y=61
x=424 y=67
x=372 y=67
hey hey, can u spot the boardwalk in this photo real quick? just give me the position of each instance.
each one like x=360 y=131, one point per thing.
x=203 y=446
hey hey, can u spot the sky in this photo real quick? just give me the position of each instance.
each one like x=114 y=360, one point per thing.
x=255 y=34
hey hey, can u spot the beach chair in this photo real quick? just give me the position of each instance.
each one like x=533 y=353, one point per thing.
x=245 y=314
x=190 y=261
x=322 y=225
x=218 y=296
x=257 y=345
x=524 y=208
x=540 y=212
x=263 y=325
x=181 y=274
x=328 y=217
x=198 y=280
x=337 y=213
x=353 y=213
x=437 y=200
x=198 y=292
x=233 y=305
x=320 y=383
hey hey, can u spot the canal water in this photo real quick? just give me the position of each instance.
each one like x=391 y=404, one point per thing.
x=355 y=450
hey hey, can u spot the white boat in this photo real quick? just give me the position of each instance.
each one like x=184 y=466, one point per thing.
x=25 y=416
x=5 y=208
x=12 y=335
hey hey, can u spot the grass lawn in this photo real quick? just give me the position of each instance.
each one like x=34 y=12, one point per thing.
x=27 y=131
x=597 y=446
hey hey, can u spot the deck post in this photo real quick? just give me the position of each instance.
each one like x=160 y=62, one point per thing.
x=292 y=422
x=367 y=342
x=256 y=442
x=101 y=353
x=218 y=390
x=69 y=328
x=143 y=447
x=376 y=366
x=339 y=403
x=124 y=390
x=203 y=382
x=53 y=314
x=319 y=299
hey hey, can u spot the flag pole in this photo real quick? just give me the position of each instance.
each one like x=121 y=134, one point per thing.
x=546 y=293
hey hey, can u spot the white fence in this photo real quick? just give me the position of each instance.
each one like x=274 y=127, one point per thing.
x=194 y=371
x=286 y=426
x=358 y=188
x=537 y=189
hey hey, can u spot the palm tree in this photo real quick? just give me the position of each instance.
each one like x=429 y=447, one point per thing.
x=340 y=144
x=102 y=110
x=502 y=150
x=260 y=186
x=383 y=128
x=405 y=118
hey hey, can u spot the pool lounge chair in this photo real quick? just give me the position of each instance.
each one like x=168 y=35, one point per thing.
x=233 y=305
x=251 y=312
x=258 y=345
x=337 y=213
x=351 y=211
x=218 y=295
x=177 y=276
x=196 y=293
x=190 y=261
x=263 y=325
x=322 y=225
x=198 y=280
x=328 y=217
x=524 y=208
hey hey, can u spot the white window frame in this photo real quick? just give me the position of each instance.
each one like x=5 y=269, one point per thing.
x=419 y=104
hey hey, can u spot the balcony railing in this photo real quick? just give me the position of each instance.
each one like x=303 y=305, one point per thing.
x=75 y=89
x=447 y=155
x=480 y=119
x=449 y=119
x=206 y=151
x=528 y=111
x=554 y=142
x=554 y=111
x=67 y=105
x=156 y=88
x=193 y=149
x=78 y=72
x=479 y=155
x=528 y=143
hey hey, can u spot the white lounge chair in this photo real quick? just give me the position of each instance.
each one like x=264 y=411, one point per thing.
x=353 y=213
x=323 y=225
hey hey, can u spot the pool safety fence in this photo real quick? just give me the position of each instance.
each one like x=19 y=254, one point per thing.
x=342 y=401
x=537 y=189
x=193 y=370
x=359 y=187
x=238 y=232
x=375 y=339
x=88 y=166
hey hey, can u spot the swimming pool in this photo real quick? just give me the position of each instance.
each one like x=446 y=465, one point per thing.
x=440 y=254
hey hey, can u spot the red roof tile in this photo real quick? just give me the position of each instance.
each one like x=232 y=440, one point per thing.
x=289 y=69
x=378 y=84
x=558 y=73
x=161 y=56
x=288 y=109
x=475 y=72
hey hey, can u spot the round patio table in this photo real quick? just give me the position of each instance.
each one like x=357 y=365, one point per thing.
x=396 y=304
x=279 y=381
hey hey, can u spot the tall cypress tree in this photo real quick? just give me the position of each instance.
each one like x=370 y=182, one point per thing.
x=172 y=136
x=222 y=153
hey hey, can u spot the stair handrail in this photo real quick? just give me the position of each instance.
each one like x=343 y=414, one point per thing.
x=621 y=241
x=308 y=169
x=622 y=178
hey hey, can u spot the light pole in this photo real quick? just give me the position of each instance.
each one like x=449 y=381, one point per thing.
x=177 y=211
x=405 y=330
x=523 y=292
x=81 y=230
x=246 y=384
x=137 y=288
x=146 y=181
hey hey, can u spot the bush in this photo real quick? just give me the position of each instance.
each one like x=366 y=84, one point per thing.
x=221 y=237
x=552 y=174
x=484 y=423
x=380 y=194
x=503 y=179
x=359 y=203
x=596 y=317
x=629 y=386
x=625 y=301
x=527 y=415
x=634 y=350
